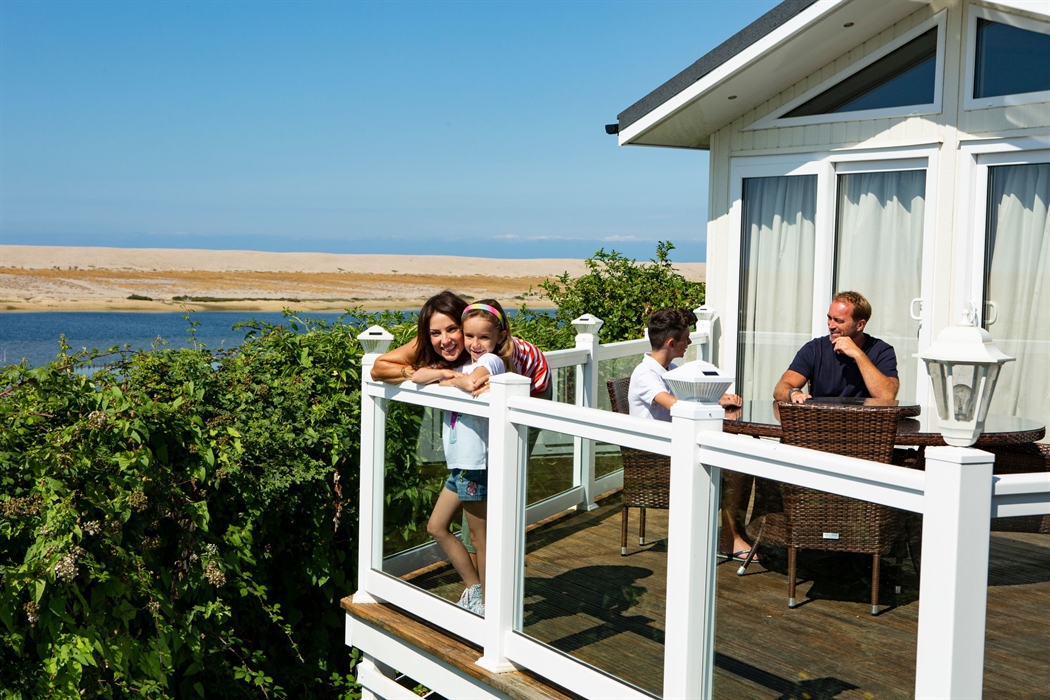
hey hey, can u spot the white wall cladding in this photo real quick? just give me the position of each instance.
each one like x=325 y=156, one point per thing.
x=947 y=130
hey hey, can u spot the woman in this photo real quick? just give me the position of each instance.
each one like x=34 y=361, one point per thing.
x=438 y=343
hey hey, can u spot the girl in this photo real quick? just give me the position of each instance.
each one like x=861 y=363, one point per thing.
x=465 y=440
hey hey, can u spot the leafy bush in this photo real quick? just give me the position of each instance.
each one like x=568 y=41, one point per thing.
x=620 y=291
x=186 y=520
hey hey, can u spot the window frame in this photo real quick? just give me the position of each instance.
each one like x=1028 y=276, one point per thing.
x=775 y=120
x=827 y=166
x=974 y=13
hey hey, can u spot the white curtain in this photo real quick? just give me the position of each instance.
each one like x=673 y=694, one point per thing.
x=1017 y=289
x=776 y=279
x=879 y=254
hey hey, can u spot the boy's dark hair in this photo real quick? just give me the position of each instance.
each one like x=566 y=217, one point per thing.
x=667 y=324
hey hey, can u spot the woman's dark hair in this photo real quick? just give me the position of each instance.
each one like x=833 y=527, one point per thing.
x=447 y=303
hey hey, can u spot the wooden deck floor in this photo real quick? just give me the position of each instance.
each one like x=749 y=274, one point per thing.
x=583 y=598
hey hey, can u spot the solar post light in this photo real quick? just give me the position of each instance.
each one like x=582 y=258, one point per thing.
x=375 y=340
x=698 y=381
x=963 y=365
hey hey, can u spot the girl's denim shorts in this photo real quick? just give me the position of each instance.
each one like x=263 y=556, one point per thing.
x=469 y=484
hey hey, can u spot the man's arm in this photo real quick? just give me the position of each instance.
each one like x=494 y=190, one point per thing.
x=879 y=386
x=395 y=366
x=791 y=380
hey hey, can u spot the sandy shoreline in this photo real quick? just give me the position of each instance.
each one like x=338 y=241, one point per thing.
x=50 y=278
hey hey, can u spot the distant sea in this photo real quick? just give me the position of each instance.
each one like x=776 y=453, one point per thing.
x=34 y=336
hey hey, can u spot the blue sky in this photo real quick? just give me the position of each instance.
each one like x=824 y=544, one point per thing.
x=352 y=127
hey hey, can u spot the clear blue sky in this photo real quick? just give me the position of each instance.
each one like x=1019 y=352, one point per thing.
x=353 y=127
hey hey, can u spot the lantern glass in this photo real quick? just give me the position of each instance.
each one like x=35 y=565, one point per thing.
x=992 y=372
x=964 y=391
x=939 y=375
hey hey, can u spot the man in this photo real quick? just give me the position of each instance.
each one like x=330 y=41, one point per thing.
x=846 y=362
x=650 y=397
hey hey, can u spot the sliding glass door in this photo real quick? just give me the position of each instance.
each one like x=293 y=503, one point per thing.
x=809 y=228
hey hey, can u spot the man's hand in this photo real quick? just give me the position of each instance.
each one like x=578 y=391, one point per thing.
x=799 y=397
x=844 y=345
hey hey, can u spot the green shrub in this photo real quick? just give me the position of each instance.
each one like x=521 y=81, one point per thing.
x=187 y=520
x=620 y=291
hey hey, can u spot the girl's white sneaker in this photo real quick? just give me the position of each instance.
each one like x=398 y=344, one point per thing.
x=470 y=597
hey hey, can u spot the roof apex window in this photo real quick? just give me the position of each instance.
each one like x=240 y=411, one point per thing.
x=1009 y=60
x=903 y=77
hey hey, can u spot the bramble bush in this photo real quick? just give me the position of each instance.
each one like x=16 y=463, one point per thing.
x=183 y=523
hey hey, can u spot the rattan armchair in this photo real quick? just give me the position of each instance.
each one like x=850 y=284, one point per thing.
x=1020 y=459
x=646 y=476
x=816 y=520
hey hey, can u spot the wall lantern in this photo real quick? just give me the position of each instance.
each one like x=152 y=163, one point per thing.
x=375 y=340
x=963 y=365
x=697 y=381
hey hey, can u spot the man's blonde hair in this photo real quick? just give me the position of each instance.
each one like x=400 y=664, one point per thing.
x=861 y=307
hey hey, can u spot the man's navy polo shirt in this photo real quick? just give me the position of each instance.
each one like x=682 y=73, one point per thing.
x=830 y=374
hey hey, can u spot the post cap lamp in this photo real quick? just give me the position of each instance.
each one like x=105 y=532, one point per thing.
x=587 y=324
x=375 y=340
x=697 y=381
x=963 y=365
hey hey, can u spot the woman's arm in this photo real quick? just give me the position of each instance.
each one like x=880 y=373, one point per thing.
x=395 y=366
x=429 y=375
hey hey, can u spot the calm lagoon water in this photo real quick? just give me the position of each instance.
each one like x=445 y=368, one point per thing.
x=34 y=336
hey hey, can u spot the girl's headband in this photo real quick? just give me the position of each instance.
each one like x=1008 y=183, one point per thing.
x=485 y=307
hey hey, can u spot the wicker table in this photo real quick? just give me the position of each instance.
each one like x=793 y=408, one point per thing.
x=757 y=418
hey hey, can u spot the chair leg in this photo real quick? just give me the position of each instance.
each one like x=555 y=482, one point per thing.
x=792 y=562
x=754 y=548
x=874 y=584
x=623 y=532
x=641 y=526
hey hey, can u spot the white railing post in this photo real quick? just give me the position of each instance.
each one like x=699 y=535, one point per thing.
x=587 y=328
x=505 y=534
x=375 y=342
x=704 y=323
x=692 y=545
x=953 y=585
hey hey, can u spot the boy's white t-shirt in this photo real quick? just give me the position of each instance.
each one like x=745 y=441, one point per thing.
x=471 y=447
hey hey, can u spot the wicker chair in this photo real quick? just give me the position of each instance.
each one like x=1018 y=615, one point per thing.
x=808 y=516
x=646 y=477
x=1020 y=459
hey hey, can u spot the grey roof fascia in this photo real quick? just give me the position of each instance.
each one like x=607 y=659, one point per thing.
x=713 y=59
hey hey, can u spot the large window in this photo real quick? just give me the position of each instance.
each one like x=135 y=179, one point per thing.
x=1017 y=286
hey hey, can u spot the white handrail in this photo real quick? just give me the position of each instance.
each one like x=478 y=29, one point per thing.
x=957 y=495
x=897 y=487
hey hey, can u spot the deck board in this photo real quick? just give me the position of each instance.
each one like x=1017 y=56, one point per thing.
x=582 y=598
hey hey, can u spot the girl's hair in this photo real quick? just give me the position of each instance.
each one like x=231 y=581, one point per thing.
x=491 y=310
x=450 y=304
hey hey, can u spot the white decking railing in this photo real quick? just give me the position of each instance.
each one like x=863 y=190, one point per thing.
x=957 y=495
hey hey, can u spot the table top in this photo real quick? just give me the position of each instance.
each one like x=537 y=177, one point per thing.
x=756 y=418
